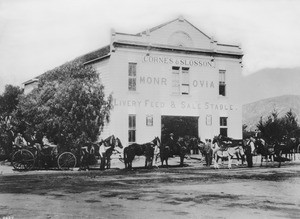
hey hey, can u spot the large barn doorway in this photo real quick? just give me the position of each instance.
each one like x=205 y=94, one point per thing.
x=180 y=126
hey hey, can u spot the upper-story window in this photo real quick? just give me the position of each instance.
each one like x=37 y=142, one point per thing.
x=185 y=81
x=222 y=83
x=175 y=80
x=180 y=80
x=132 y=76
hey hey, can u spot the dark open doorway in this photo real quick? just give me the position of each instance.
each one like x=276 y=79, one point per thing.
x=179 y=125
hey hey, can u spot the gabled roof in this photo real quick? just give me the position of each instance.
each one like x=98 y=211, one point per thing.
x=180 y=18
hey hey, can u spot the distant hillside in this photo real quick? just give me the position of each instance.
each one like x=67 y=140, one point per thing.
x=253 y=111
x=269 y=83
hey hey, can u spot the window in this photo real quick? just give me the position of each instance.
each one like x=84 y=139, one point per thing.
x=175 y=80
x=132 y=76
x=223 y=126
x=180 y=80
x=222 y=84
x=185 y=82
x=149 y=120
x=131 y=128
x=208 y=120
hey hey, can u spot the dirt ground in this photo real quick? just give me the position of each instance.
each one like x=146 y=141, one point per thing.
x=193 y=191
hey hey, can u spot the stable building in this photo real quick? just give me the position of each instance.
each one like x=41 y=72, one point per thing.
x=172 y=72
x=171 y=78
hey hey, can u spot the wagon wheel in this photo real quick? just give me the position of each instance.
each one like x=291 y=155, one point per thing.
x=66 y=161
x=23 y=160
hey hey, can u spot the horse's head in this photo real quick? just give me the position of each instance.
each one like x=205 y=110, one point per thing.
x=259 y=145
x=216 y=140
x=109 y=141
x=156 y=141
x=118 y=143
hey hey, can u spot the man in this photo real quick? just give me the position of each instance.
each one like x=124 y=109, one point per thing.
x=208 y=152
x=250 y=147
x=20 y=141
x=171 y=143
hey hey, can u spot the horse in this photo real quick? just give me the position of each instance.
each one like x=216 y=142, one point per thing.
x=291 y=147
x=226 y=150
x=87 y=156
x=180 y=148
x=107 y=147
x=135 y=149
x=269 y=150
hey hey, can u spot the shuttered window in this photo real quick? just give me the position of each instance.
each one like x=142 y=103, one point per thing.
x=132 y=76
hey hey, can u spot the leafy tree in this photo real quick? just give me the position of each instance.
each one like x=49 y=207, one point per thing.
x=8 y=103
x=69 y=106
x=291 y=124
x=275 y=128
x=247 y=133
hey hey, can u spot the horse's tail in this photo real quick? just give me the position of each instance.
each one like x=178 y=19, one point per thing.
x=125 y=154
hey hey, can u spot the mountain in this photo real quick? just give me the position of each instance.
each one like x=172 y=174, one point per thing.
x=270 y=82
x=263 y=108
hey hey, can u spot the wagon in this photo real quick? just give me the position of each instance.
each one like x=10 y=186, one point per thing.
x=47 y=157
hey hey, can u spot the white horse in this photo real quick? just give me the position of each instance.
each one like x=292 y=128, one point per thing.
x=226 y=153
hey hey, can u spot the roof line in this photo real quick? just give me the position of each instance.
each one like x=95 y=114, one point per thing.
x=157 y=27
x=164 y=24
x=97 y=59
x=170 y=49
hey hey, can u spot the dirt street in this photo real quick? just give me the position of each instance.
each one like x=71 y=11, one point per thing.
x=189 y=192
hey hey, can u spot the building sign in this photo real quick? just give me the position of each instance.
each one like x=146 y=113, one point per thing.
x=178 y=61
x=192 y=105
x=160 y=81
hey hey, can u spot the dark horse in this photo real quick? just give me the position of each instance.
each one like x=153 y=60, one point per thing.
x=179 y=148
x=146 y=150
x=291 y=148
x=269 y=151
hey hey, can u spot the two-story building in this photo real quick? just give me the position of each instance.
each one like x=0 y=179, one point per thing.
x=172 y=70
x=168 y=72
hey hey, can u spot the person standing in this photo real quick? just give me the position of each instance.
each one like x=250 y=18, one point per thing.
x=208 y=152
x=250 y=151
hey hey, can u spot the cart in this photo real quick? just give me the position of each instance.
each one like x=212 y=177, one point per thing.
x=47 y=157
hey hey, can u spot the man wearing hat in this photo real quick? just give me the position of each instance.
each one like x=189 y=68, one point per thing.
x=171 y=141
x=250 y=147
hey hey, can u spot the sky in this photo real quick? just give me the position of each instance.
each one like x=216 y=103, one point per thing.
x=39 y=35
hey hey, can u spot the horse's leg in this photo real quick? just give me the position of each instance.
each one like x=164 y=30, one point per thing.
x=237 y=158
x=181 y=160
x=108 y=162
x=167 y=161
x=215 y=160
x=229 y=161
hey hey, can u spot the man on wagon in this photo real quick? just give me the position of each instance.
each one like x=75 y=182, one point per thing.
x=20 y=141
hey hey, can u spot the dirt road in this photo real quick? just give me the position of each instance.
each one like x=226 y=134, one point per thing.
x=189 y=192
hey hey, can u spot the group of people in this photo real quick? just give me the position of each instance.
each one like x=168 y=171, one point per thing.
x=20 y=141
x=209 y=151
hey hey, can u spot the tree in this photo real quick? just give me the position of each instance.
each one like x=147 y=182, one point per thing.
x=291 y=123
x=69 y=106
x=246 y=132
x=8 y=103
x=9 y=99
x=275 y=128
